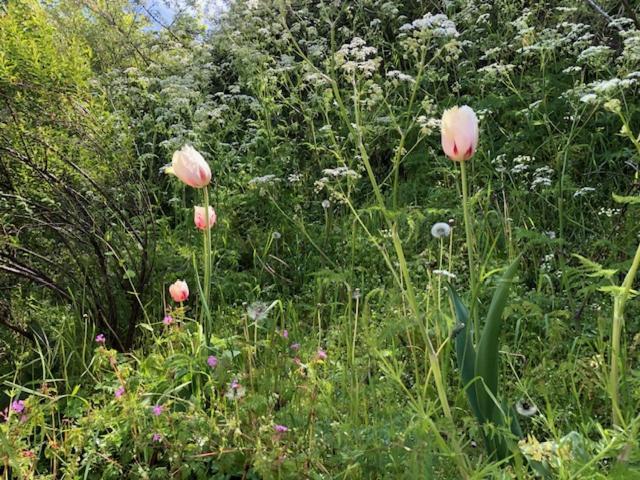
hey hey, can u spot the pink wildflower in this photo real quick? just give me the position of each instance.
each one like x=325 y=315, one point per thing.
x=157 y=410
x=212 y=361
x=119 y=392
x=280 y=428
x=167 y=320
x=100 y=338
x=18 y=406
x=321 y=355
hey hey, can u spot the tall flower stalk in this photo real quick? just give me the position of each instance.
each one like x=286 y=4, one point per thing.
x=206 y=258
x=620 y=297
x=622 y=294
x=459 y=136
x=468 y=230
x=191 y=168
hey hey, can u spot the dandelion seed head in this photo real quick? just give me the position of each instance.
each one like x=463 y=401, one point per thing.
x=440 y=230
x=526 y=408
x=235 y=390
x=258 y=311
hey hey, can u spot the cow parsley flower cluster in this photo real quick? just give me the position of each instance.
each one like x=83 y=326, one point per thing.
x=595 y=55
x=581 y=192
x=269 y=179
x=356 y=57
x=496 y=70
x=437 y=25
x=400 y=77
x=521 y=164
x=542 y=177
x=428 y=125
x=341 y=172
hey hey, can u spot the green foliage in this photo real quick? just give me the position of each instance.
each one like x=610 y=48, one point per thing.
x=320 y=123
x=479 y=366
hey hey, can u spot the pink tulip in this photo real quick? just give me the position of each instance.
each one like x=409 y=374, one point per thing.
x=188 y=165
x=200 y=219
x=179 y=291
x=459 y=131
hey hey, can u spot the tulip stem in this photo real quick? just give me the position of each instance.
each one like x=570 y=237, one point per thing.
x=206 y=315
x=618 y=321
x=470 y=242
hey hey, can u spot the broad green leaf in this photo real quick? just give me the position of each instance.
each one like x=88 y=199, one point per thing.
x=487 y=352
x=465 y=352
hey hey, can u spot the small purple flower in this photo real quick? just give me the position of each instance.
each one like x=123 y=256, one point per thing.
x=18 y=406
x=280 y=428
x=119 y=392
x=167 y=320
x=212 y=361
x=321 y=355
x=156 y=437
x=100 y=338
x=285 y=333
x=295 y=347
x=157 y=410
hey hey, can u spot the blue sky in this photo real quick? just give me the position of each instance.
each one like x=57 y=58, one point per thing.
x=164 y=13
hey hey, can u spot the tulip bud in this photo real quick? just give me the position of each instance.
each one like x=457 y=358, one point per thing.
x=200 y=219
x=188 y=165
x=179 y=291
x=459 y=131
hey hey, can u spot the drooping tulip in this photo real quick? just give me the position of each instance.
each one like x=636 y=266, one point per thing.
x=189 y=166
x=200 y=220
x=459 y=133
x=179 y=291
